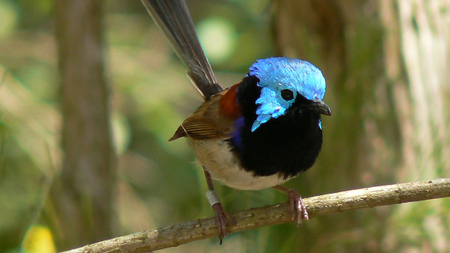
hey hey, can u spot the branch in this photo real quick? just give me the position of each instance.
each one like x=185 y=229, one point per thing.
x=178 y=234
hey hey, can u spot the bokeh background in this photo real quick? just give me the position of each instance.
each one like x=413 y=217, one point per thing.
x=67 y=180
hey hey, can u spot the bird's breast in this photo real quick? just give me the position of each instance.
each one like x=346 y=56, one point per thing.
x=223 y=165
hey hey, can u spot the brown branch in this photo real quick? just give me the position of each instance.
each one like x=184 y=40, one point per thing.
x=175 y=235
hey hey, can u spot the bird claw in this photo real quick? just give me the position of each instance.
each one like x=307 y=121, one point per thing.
x=222 y=220
x=222 y=217
x=298 y=208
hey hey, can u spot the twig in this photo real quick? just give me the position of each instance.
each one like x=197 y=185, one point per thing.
x=175 y=235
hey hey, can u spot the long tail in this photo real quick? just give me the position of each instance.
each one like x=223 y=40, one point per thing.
x=173 y=17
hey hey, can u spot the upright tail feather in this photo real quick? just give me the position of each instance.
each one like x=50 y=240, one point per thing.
x=173 y=17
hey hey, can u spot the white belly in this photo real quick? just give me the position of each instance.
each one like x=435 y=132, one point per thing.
x=217 y=158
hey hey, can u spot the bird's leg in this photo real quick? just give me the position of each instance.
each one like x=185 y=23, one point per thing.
x=223 y=218
x=299 y=211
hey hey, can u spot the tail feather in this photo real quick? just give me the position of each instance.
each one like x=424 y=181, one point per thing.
x=173 y=17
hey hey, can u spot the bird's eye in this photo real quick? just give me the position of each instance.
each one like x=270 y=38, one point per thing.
x=287 y=94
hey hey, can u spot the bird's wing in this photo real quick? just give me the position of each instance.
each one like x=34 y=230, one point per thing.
x=175 y=21
x=207 y=122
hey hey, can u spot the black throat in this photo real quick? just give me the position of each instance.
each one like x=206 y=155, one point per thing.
x=286 y=145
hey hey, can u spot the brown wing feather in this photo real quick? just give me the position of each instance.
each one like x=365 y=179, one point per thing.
x=204 y=123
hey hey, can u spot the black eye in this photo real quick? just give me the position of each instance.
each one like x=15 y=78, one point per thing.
x=287 y=94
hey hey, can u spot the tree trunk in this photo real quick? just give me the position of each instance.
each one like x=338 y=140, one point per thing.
x=82 y=194
x=386 y=65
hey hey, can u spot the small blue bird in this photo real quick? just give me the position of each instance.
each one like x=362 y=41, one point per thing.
x=256 y=134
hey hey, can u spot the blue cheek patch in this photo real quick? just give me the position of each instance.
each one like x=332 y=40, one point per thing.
x=271 y=105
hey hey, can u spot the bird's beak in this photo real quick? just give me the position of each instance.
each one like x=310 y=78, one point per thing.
x=321 y=107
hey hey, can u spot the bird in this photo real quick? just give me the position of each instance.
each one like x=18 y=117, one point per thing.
x=256 y=134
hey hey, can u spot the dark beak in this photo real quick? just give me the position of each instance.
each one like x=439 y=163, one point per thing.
x=321 y=107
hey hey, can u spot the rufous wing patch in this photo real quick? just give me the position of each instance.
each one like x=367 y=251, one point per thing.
x=228 y=103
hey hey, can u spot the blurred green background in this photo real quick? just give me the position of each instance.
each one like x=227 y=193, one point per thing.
x=386 y=68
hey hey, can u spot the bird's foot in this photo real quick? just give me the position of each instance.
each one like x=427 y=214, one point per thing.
x=298 y=209
x=223 y=219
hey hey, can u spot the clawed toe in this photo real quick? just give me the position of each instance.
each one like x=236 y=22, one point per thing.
x=298 y=209
x=223 y=219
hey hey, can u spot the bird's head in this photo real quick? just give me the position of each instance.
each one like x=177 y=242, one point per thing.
x=287 y=83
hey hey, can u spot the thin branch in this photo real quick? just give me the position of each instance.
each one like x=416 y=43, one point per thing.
x=175 y=235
